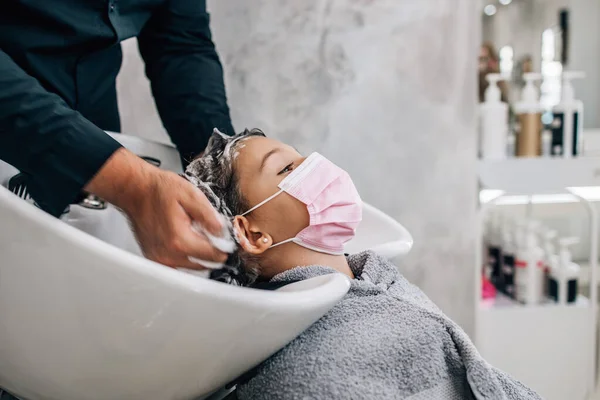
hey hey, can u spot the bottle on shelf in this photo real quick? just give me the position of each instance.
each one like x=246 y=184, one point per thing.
x=511 y=145
x=547 y=143
x=495 y=250
x=488 y=291
x=494 y=121
x=529 y=271
x=567 y=123
x=550 y=257
x=519 y=235
x=564 y=275
x=487 y=229
x=529 y=113
x=508 y=259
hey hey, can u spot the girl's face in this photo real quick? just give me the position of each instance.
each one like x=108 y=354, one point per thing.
x=260 y=165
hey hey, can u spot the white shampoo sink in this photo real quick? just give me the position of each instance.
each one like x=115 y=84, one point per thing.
x=82 y=319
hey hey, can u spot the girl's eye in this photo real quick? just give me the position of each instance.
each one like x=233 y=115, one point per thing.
x=287 y=169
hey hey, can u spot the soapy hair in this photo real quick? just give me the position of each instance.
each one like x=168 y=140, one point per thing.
x=213 y=172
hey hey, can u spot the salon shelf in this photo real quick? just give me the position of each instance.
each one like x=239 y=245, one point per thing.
x=585 y=275
x=539 y=175
x=501 y=301
x=546 y=346
x=550 y=347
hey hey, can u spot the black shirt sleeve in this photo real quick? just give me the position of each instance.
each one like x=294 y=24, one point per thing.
x=186 y=74
x=54 y=145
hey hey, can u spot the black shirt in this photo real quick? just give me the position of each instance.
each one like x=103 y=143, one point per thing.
x=58 y=64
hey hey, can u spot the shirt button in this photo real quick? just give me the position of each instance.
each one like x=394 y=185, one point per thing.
x=112 y=7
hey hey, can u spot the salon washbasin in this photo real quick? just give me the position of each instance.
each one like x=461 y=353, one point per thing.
x=83 y=320
x=380 y=233
x=86 y=318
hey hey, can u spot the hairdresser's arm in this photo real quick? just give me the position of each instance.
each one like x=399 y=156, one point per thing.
x=61 y=151
x=161 y=206
x=186 y=74
x=43 y=137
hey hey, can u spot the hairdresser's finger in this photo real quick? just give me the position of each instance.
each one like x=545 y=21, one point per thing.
x=191 y=262
x=200 y=210
x=205 y=264
x=196 y=246
x=194 y=264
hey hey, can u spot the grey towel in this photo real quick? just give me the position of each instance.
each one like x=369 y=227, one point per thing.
x=384 y=340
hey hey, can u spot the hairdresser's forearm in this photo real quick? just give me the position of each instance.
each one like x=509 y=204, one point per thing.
x=160 y=206
x=43 y=137
x=123 y=180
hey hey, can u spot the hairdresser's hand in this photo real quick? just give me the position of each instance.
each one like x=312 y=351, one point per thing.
x=161 y=206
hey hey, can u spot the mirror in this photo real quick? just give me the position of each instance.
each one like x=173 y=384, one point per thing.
x=548 y=37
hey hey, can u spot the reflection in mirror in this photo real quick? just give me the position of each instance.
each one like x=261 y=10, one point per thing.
x=547 y=37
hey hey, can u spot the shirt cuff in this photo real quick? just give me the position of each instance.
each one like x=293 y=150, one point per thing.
x=69 y=164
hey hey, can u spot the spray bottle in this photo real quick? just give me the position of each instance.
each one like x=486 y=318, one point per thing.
x=494 y=121
x=529 y=271
x=564 y=275
x=567 y=125
x=529 y=112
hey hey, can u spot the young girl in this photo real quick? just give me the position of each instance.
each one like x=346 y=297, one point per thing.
x=291 y=216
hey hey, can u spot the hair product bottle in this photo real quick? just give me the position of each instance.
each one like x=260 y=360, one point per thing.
x=495 y=250
x=529 y=271
x=511 y=145
x=529 y=114
x=567 y=123
x=550 y=258
x=494 y=121
x=508 y=260
x=564 y=275
x=546 y=143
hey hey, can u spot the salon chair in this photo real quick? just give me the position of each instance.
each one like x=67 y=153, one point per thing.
x=84 y=317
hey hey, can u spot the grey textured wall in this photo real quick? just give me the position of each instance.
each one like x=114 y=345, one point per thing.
x=384 y=88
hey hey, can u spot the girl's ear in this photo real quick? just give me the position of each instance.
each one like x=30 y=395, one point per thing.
x=249 y=237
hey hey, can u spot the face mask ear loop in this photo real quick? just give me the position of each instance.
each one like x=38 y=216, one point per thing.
x=282 y=242
x=263 y=202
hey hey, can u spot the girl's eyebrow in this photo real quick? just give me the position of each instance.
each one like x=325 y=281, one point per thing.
x=269 y=154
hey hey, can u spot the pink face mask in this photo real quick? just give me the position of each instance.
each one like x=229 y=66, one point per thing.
x=333 y=203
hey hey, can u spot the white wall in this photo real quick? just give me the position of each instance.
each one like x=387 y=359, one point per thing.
x=385 y=88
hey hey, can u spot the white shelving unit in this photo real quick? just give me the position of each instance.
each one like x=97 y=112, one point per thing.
x=549 y=347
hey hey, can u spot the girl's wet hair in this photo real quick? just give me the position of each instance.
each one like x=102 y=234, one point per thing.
x=214 y=173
